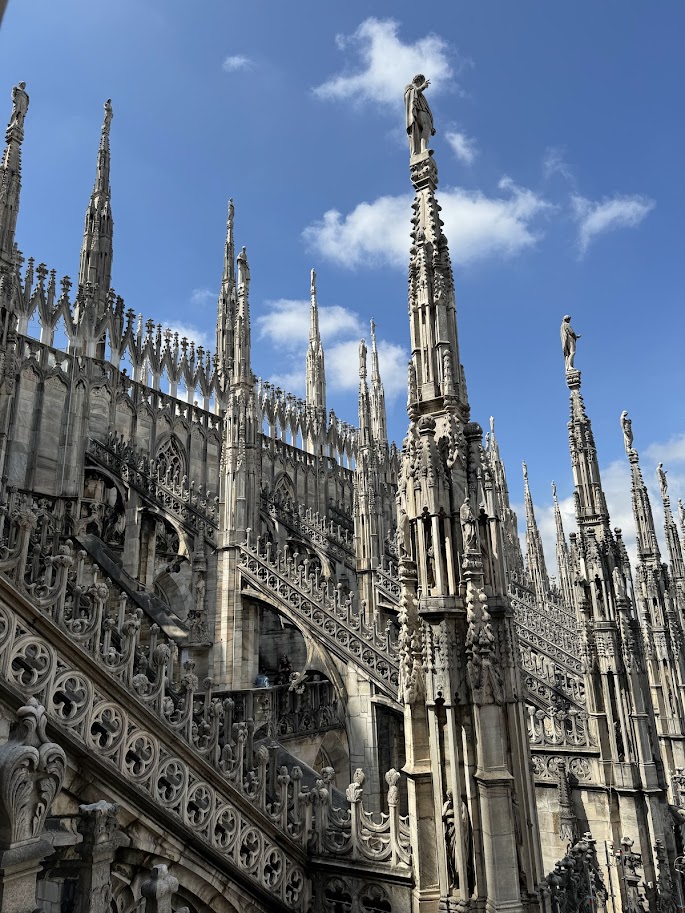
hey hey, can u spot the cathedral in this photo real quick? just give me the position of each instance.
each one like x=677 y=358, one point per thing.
x=254 y=658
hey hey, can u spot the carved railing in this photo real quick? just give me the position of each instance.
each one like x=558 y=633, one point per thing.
x=546 y=633
x=331 y=617
x=558 y=729
x=387 y=579
x=117 y=689
x=289 y=709
x=194 y=507
x=548 y=682
x=322 y=533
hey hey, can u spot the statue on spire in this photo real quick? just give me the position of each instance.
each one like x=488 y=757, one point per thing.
x=661 y=476
x=20 y=105
x=568 y=342
x=627 y=428
x=108 y=117
x=419 y=118
x=362 y=358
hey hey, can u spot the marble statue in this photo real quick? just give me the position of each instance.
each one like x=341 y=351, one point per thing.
x=627 y=427
x=661 y=476
x=20 y=105
x=568 y=342
x=450 y=838
x=403 y=534
x=468 y=526
x=419 y=119
x=108 y=117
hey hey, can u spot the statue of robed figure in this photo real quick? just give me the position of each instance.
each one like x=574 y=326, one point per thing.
x=419 y=118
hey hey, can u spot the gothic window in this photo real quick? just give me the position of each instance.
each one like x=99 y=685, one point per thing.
x=375 y=900
x=336 y=897
x=283 y=492
x=171 y=461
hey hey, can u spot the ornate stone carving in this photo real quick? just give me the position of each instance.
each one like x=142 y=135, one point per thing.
x=31 y=774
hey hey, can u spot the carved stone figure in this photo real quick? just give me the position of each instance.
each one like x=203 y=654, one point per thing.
x=419 y=118
x=450 y=839
x=20 y=105
x=627 y=428
x=467 y=831
x=403 y=534
x=568 y=342
x=661 y=476
x=469 y=527
x=108 y=117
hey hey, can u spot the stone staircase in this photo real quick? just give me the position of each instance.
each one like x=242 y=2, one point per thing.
x=334 y=620
x=194 y=508
x=116 y=694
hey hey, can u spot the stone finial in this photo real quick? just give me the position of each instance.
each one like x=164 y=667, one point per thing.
x=158 y=889
x=98 y=822
x=31 y=774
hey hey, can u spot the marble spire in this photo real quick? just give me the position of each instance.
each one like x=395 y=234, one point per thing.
x=647 y=545
x=227 y=304
x=242 y=369
x=379 y=425
x=563 y=554
x=455 y=614
x=315 y=380
x=535 y=556
x=10 y=176
x=591 y=508
x=96 y=250
x=365 y=426
x=436 y=382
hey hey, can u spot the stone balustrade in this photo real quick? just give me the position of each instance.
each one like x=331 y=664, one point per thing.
x=323 y=533
x=77 y=649
x=330 y=616
x=194 y=507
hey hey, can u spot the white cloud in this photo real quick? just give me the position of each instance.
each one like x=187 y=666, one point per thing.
x=553 y=163
x=200 y=296
x=478 y=226
x=463 y=146
x=193 y=334
x=286 y=325
x=236 y=62
x=385 y=64
x=286 y=322
x=597 y=217
x=671 y=451
x=290 y=381
x=342 y=366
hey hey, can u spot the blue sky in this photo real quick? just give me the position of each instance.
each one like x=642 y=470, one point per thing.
x=559 y=149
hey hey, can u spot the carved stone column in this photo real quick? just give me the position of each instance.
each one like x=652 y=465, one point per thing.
x=101 y=839
x=158 y=889
x=31 y=774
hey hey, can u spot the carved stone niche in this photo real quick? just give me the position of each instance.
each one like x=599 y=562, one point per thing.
x=31 y=774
